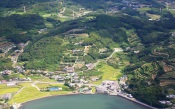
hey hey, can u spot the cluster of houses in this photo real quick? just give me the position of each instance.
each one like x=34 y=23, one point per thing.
x=11 y=81
x=5 y=47
x=166 y=102
x=6 y=72
x=122 y=82
x=65 y=73
x=20 y=69
x=109 y=87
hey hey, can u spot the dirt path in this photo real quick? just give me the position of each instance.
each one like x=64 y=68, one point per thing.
x=34 y=85
x=115 y=51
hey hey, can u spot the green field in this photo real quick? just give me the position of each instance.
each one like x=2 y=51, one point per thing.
x=109 y=73
x=28 y=93
x=6 y=89
x=31 y=93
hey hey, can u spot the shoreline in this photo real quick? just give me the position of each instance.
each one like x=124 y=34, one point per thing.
x=136 y=101
x=71 y=93
x=132 y=100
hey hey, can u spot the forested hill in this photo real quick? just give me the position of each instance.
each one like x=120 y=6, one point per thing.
x=147 y=45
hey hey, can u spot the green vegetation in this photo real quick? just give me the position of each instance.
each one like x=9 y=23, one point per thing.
x=7 y=89
x=5 y=64
x=30 y=93
x=57 y=39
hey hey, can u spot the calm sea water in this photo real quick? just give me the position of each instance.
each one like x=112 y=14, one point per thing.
x=97 y=101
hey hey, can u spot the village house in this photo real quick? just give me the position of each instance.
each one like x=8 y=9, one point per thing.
x=25 y=79
x=83 y=81
x=59 y=72
x=6 y=72
x=58 y=77
x=42 y=30
x=69 y=69
x=49 y=74
x=75 y=79
x=90 y=66
x=20 y=69
x=75 y=85
x=170 y=96
x=137 y=51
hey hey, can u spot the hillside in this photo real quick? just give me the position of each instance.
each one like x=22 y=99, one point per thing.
x=105 y=39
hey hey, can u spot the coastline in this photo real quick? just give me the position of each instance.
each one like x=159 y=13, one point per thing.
x=120 y=95
x=136 y=101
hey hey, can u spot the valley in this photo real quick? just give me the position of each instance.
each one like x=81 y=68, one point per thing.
x=75 y=45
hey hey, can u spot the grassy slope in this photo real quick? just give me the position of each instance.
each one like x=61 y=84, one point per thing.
x=109 y=73
x=31 y=93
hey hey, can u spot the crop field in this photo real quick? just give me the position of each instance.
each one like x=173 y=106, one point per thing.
x=109 y=73
x=6 y=89
x=30 y=93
